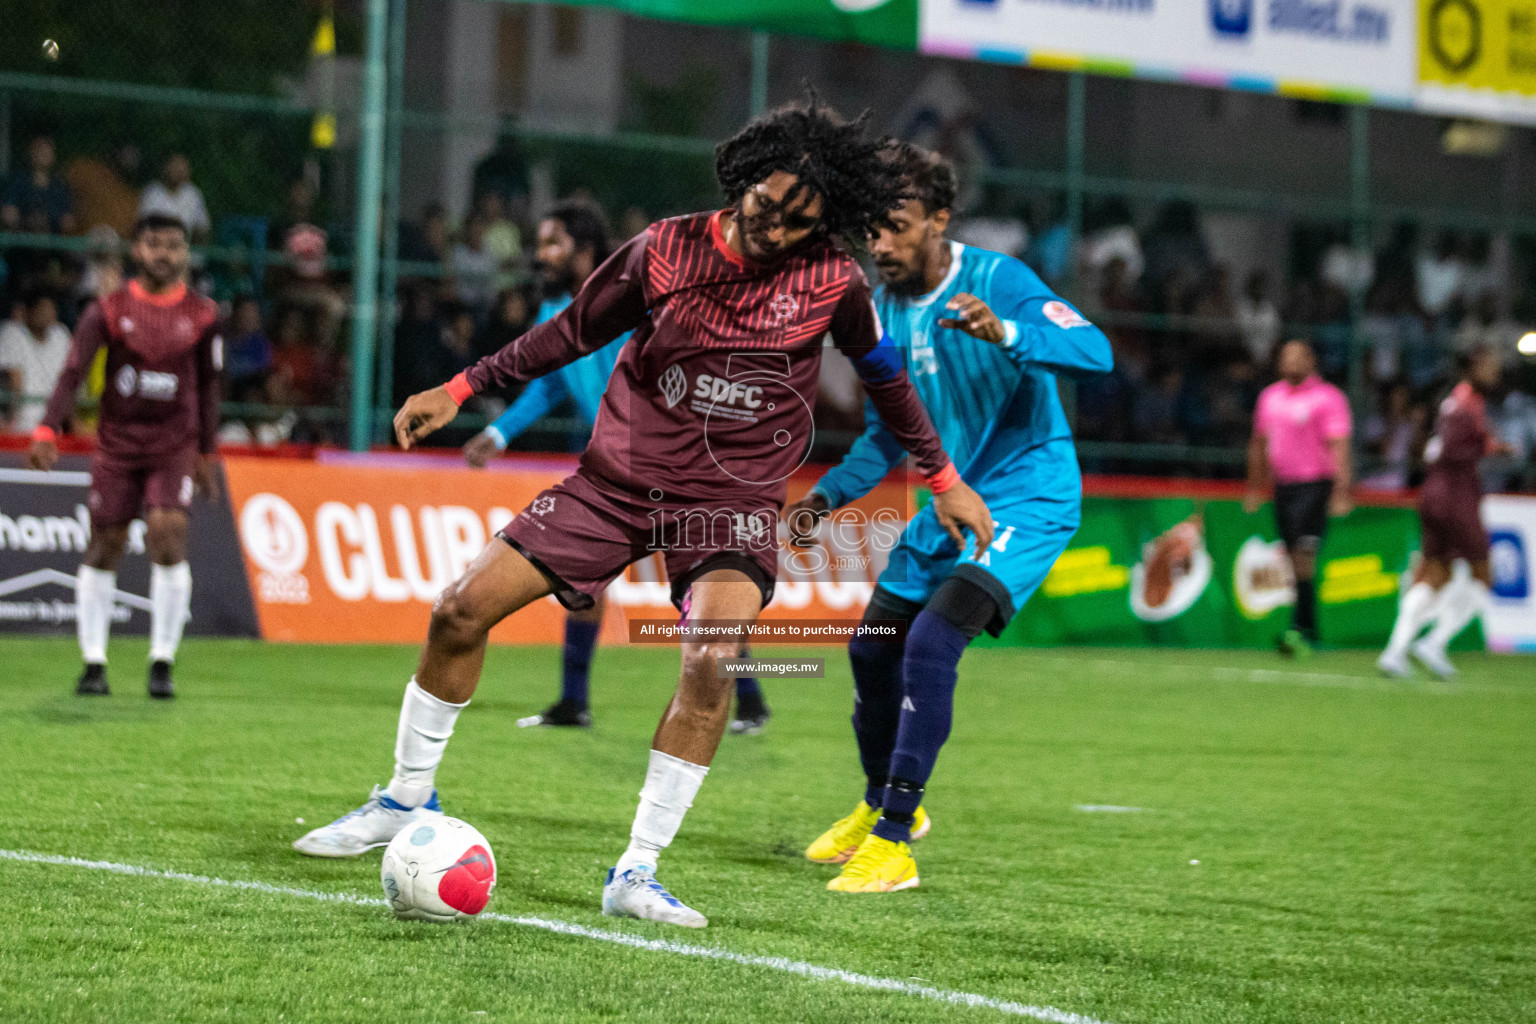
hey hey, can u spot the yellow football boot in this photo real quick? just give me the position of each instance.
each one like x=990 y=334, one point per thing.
x=838 y=843
x=879 y=866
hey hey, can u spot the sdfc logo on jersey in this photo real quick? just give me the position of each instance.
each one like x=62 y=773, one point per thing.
x=1063 y=315
x=543 y=505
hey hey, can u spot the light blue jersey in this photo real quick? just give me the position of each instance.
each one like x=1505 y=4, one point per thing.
x=998 y=414
x=583 y=381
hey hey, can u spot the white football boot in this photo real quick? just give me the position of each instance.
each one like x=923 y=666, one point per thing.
x=1433 y=658
x=636 y=893
x=371 y=825
x=1395 y=664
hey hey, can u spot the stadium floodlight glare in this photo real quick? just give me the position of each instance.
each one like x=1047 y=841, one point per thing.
x=1526 y=346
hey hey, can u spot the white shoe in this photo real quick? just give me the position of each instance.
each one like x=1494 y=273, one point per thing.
x=1434 y=659
x=636 y=893
x=1394 y=664
x=373 y=824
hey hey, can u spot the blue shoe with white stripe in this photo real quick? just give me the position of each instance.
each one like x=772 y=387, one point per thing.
x=636 y=893
x=371 y=825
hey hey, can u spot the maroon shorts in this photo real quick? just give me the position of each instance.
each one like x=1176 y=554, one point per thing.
x=122 y=488
x=582 y=535
x=1452 y=531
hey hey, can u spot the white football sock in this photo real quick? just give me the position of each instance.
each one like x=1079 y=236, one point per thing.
x=170 y=605
x=1416 y=609
x=1461 y=603
x=426 y=722
x=670 y=786
x=94 y=590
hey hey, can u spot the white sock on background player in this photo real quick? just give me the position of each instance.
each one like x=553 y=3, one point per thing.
x=1417 y=608
x=425 y=725
x=94 y=589
x=670 y=786
x=170 y=605
x=1461 y=601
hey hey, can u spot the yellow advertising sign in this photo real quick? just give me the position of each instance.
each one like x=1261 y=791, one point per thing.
x=1479 y=44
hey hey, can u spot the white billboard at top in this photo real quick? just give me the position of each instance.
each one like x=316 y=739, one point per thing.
x=1360 y=50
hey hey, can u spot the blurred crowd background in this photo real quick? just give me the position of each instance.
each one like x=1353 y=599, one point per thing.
x=1198 y=227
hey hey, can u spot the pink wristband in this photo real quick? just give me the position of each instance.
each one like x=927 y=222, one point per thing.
x=944 y=479
x=42 y=433
x=458 y=389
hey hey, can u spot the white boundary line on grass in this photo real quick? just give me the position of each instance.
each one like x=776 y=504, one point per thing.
x=806 y=970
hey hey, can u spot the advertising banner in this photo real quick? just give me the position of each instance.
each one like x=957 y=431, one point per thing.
x=1354 y=50
x=1192 y=573
x=881 y=22
x=1478 y=57
x=358 y=552
x=44 y=530
x=1510 y=621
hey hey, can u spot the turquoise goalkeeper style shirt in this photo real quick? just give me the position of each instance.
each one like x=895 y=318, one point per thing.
x=995 y=406
x=583 y=381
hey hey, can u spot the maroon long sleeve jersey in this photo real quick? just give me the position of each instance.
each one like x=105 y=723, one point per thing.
x=1460 y=441
x=711 y=398
x=162 y=381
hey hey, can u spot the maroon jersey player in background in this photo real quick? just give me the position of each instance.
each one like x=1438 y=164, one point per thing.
x=1450 y=511
x=701 y=425
x=154 y=446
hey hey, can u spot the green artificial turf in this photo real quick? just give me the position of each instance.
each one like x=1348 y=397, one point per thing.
x=1366 y=850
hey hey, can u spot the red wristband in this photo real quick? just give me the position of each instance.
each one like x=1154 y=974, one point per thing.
x=42 y=433
x=458 y=389
x=944 y=479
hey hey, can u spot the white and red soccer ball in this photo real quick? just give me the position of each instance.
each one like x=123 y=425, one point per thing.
x=441 y=869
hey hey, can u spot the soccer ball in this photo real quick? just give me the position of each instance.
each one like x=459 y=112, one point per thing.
x=441 y=870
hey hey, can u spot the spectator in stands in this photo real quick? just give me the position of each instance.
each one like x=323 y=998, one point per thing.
x=458 y=340
x=475 y=269
x=1215 y=335
x=36 y=199
x=103 y=266
x=502 y=239
x=298 y=209
x=1110 y=234
x=174 y=195
x=1174 y=244
x=1155 y=409
x=1440 y=275
x=511 y=315
x=1391 y=437
x=1119 y=297
x=247 y=353
x=32 y=354
x=1258 y=318
x=305 y=282
x=416 y=341
x=105 y=191
x=1484 y=326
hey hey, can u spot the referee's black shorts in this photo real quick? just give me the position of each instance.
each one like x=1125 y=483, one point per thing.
x=1301 y=512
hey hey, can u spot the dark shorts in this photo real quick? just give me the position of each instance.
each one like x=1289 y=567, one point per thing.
x=581 y=536
x=1452 y=531
x=1301 y=512
x=122 y=489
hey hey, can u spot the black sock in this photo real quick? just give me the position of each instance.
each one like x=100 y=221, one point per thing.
x=1305 y=618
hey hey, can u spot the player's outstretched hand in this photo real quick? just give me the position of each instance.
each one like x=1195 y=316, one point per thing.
x=960 y=509
x=205 y=477
x=480 y=450
x=42 y=455
x=803 y=517
x=975 y=318
x=422 y=414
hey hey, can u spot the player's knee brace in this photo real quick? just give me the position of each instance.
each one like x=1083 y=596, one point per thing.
x=964 y=604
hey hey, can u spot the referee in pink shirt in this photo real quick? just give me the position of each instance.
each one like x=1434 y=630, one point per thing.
x=1300 y=444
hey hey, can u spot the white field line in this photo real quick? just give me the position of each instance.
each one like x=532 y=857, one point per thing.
x=1106 y=809
x=777 y=963
x=1134 y=670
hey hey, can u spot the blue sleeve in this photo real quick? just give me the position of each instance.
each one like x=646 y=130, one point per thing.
x=872 y=457
x=1040 y=329
x=540 y=396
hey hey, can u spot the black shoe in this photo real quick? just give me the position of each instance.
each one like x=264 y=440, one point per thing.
x=160 y=684
x=93 y=681
x=752 y=716
x=561 y=713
